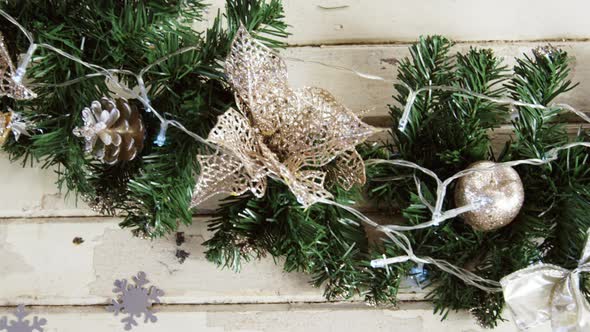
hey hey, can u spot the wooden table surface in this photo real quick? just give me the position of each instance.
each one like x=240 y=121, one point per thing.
x=69 y=284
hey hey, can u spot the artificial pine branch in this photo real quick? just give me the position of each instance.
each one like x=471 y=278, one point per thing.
x=322 y=241
x=153 y=191
x=562 y=190
x=449 y=131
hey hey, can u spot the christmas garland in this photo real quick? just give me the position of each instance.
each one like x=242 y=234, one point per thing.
x=477 y=221
x=488 y=228
x=147 y=184
x=448 y=132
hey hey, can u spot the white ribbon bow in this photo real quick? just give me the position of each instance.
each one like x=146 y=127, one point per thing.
x=545 y=292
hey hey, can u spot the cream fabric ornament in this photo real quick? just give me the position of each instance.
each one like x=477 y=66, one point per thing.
x=11 y=85
x=296 y=136
x=545 y=292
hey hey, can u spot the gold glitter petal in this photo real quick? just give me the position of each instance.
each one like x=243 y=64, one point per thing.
x=220 y=174
x=348 y=170
x=316 y=128
x=234 y=133
x=5 y=119
x=259 y=77
x=288 y=135
x=309 y=187
x=241 y=167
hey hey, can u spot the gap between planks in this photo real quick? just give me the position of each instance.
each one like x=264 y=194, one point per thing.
x=266 y=306
x=498 y=136
x=406 y=43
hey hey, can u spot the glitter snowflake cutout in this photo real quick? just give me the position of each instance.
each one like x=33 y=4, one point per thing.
x=22 y=325
x=135 y=300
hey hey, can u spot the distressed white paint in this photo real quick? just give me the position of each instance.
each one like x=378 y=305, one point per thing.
x=399 y=20
x=362 y=95
x=40 y=265
x=31 y=192
x=414 y=317
x=320 y=22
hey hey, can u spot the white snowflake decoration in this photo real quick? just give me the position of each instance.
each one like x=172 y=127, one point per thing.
x=22 y=325
x=135 y=300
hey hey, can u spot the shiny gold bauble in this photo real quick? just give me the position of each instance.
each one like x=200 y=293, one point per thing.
x=4 y=130
x=500 y=185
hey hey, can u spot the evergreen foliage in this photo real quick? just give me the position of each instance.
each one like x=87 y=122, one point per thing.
x=322 y=241
x=153 y=191
x=449 y=131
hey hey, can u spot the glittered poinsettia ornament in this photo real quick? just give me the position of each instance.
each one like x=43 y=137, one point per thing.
x=295 y=136
x=113 y=130
x=11 y=84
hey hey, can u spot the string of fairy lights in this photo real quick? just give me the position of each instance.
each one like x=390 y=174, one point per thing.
x=15 y=88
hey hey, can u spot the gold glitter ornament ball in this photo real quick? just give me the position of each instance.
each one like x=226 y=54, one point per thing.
x=501 y=185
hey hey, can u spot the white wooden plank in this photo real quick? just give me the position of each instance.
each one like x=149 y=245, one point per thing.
x=371 y=97
x=410 y=317
x=41 y=265
x=320 y=22
x=31 y=193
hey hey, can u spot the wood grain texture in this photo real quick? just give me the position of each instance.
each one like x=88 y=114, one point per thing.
x=354 y=21
x=31 y=192
x=414 y=317
x=321 y=22
x=371 y=97
x=41 y=265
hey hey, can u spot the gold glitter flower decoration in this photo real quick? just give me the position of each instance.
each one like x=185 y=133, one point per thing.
x=296 y=136
x=11 y=86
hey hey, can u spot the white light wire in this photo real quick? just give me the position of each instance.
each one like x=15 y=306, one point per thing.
x=393 y=232
x=108 y=73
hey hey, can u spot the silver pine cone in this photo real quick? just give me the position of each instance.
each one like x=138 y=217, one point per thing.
x=113 y=130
